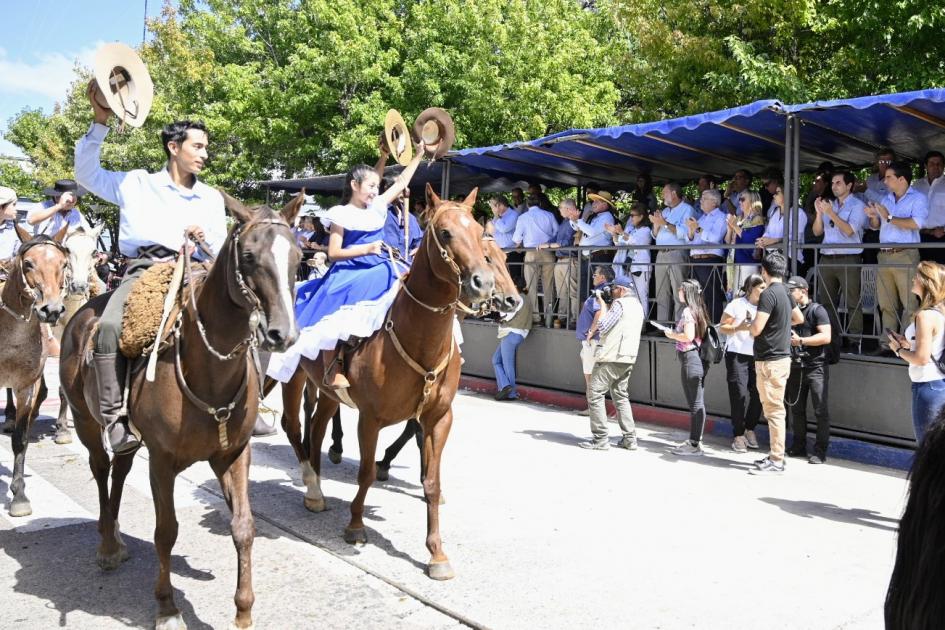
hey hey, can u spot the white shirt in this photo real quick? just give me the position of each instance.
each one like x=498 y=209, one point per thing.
x=9 y=241
x=929 y=371
x=152 y=209
x=52 y=225
x=639 y=257
x=741 y=342
x=936 y=196
x=775 y=228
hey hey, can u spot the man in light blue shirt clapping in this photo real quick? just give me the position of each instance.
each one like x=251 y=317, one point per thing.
x=536 y=227
x=672 y=265
x=709 y=230
x=504 y=218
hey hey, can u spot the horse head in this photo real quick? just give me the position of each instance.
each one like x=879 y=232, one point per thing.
x=262 y=260
x=452 y=229
x=82 y=244
x=42 y=264
x=505 y=297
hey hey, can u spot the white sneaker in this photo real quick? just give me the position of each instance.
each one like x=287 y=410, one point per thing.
x=751 y=440
x=686 y=449
x=739 y=444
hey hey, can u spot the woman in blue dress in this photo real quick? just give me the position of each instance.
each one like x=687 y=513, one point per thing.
x=353 y=298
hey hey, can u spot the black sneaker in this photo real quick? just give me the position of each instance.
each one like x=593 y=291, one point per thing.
x=503 y=393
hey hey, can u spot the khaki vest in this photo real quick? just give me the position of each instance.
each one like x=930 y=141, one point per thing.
x=621 y=343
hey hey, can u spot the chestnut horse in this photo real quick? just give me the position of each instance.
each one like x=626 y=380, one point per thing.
x=31 y=297
x=245 y=299
x=408 y=369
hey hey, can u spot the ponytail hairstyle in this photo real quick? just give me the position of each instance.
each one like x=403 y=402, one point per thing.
x=692 y=297
x=357 y=175
x=750 y=283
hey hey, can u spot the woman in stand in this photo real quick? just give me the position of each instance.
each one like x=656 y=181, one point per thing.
x=745 y=229
x=353 y=298
x=638 y=232
x=740 y=363
x=923 y=344
x=688 y=334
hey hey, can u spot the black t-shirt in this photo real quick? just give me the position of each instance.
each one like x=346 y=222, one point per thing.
x=814 y=315
x=774 y=342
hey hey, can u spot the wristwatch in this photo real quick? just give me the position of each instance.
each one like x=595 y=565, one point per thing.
x=889 y=218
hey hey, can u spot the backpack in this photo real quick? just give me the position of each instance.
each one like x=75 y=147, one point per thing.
x=832 y=349
x=711 y=350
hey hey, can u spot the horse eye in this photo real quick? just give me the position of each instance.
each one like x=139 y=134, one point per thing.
x=445 y=235
x=488 y=260
x=248 y=258
x=27 y=265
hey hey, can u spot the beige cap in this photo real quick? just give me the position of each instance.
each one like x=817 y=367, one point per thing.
x=6 y=195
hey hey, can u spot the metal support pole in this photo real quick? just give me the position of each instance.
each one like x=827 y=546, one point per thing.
x=796 y=194
x=445 y=180
x=788 y=177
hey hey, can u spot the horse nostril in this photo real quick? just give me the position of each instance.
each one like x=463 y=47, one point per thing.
x=275 y=336
x=476 y=282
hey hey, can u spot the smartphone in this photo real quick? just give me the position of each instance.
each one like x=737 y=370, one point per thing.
x=890 y=333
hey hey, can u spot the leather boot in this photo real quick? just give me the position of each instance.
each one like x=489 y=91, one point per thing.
x=334 y=370
x=110 y=375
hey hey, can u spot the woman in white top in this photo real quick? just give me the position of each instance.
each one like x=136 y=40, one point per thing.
x=740 y=363
x=638 y=232
x=923 y=344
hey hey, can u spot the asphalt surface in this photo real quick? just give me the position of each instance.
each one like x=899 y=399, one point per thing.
x=541 y=534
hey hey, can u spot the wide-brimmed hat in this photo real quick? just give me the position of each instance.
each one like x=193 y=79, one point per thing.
x=124 y=83
x=603 y=196
x=64 y=186
x=435 y=127
x=397 y=136
x=6 y=195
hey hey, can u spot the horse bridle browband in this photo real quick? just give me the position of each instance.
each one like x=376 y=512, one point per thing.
x=27 y=287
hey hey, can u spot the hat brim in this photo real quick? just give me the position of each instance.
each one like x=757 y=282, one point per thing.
x=140 y=86
x=444 y=123
x=52 y=192
x=395 y=133
x=596 y=197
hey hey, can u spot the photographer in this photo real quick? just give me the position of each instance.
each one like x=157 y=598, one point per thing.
x=587 y=322
x=620 y=323
x=809 y=372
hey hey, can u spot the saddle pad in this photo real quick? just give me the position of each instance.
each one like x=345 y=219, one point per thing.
x=143 y=309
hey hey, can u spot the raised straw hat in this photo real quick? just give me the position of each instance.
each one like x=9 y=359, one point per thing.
x=435 y=127
x=398 y=137
x=124 y=84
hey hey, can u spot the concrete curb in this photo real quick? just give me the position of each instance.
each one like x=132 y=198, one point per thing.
x=840 y=447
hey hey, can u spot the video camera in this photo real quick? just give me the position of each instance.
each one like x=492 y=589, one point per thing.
x=606 y=293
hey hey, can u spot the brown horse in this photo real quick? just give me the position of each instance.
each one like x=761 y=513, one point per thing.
x=245 y=299
x=409 y=369
x=31 y=297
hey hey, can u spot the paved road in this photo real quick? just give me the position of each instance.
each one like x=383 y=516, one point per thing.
x=542 y=535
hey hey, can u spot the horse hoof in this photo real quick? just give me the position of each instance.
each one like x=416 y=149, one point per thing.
x=440 y=570
x=334 y=456
x=111 y=561
x=236 y=626
x=174 y=622
x=20 y=508
x=63 y=437
x=315 y=505
x=355 y=536
x=381 y=473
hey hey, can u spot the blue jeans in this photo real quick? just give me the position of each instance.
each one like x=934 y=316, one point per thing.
x=927 y=401
x=503 y=361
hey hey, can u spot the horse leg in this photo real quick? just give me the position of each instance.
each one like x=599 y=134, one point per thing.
x=233 y=477
x=312 y=469
x=383 y=466
x=26 y=399
x=367 y=437
x=291 y=393
x=337 y=434
x=434 y=439
x=9 y=413
x=63 y=434
x=165 y=535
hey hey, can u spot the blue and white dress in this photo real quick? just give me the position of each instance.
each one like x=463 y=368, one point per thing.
x=351 y=300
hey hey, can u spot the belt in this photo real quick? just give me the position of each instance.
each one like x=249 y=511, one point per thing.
x=843 y=255
x=895 y=250
x=704 y=256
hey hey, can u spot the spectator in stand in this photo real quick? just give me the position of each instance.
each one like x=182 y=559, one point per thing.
x=594 y=234
x=537 y=227
x=669 y=228
x=688 y=334
x=922 y=346
x=318 y=265
x=841 y=221
x=502 y=227
x=590 y=189
x=745 y=228
x=775 y=237
x=899 y=217
x=638 y=233
x=809 y=373
x=511 y=334
x=740 y=363
x=873 y=190
x=771 y=329
x=518 y=200
x=772 y=180
x=704 y=183
x=708 y=264
x=586 y=331
x=566 y=266
x=739 y=184
x=304 y=231
x=643 y=192
x=933 y=186
x=620 y=324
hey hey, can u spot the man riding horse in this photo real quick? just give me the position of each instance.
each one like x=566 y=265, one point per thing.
x=156 y=211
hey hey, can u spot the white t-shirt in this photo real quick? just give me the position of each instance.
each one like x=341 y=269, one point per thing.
x=741 y=342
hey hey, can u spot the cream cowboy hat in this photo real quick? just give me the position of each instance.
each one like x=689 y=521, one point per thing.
x=604 y=196
x=124 y=84
x=435 y=127
x=397 y=137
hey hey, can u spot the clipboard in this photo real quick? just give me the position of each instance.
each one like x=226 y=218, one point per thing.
x=660 y=326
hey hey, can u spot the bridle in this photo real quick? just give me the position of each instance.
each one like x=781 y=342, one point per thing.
x=27 y=288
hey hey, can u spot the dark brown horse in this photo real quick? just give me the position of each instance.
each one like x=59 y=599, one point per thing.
x=31 y=297
x=203 y=401
x=408 y=369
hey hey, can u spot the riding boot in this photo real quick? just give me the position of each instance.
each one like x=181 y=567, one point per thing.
x=334 y=370
x=109 y=375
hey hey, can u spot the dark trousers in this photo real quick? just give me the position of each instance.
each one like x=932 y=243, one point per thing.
x=742 y=392
x=710 y=277
x=515 y=262
x=692 y=371
x=813 y=381
x=935 y=255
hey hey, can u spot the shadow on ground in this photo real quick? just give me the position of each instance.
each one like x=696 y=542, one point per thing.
x=829 y=511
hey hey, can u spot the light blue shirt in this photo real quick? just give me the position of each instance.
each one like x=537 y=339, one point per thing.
x=712 y=228
x=593 y=232
x=505 y=228
x=9 y=241
x=876 y=189
x=535 y=227
x=853 y=211
x=674 y=216
x=913 y=205
x=775 y=228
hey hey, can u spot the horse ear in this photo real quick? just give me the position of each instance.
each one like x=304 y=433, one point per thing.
x=23 y=234
x=291 y=210
x=433 y=201
x=236 y=207
x=470 y=199
x=61 y=234
x=97 y=231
